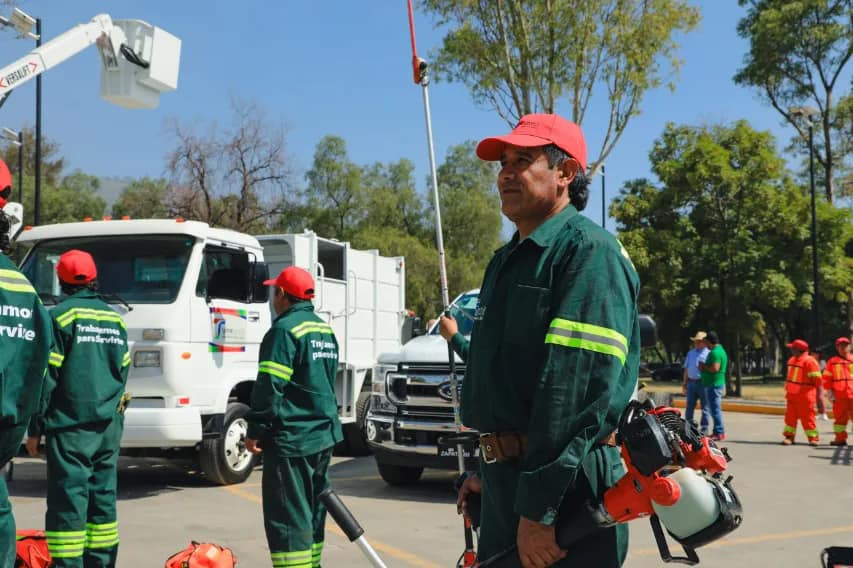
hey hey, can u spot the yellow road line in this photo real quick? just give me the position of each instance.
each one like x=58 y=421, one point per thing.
x=757 y=539
x=402 y=555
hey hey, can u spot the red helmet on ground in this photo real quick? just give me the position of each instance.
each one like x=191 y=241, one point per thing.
x=76 y=267
x=5 y=184
x=295 y=282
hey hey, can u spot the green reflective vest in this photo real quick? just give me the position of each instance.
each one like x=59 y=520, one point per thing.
x=25 y=339
x=554 y=352
x=88 y=364
x=293 y=400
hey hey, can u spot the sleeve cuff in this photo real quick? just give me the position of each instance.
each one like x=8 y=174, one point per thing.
x=458 y=342
x=533 y=501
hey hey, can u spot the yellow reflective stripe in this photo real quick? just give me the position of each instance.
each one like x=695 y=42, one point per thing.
x=790 y=429
x=88 y=313
x=316 y=553
x=56 y=359
x=310 y=326
x=126 y=359
x=587 y=336
x=812 y=433
x=838 y=428
x=93 y=527
x=275 y=369
x=297 y=559
x=814 y=374
x=5 y=273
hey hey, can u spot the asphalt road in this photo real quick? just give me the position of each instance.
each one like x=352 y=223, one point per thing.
x=797 y=501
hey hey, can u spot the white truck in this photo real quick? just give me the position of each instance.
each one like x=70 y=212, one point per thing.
x=196 y=310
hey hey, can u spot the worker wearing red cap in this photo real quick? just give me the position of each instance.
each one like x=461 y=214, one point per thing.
x=294 y=421
x=553 y=356
x=83 y=420
x=838 y=379
x=801 y=393
x=5 y=184
x=25 y=339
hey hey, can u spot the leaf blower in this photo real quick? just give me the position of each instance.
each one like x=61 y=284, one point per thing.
x=674 y=477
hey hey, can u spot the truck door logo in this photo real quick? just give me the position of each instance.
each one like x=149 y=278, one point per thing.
x=228 y=328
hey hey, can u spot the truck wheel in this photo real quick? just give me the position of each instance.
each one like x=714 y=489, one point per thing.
x=354 y=434
x=225 y=459
x=398 y=474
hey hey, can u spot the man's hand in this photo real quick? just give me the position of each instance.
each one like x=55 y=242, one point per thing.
x=683 y=388
x=471 y=484
x=33 y=446
x=447 y=327
x=253 y=447
x=537 y=544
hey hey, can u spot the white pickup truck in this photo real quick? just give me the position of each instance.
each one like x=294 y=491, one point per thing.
x=196 y=310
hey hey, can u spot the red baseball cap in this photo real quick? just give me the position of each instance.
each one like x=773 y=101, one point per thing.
x=841 y=340
x=5 y=184
x=76 y=267
x=799 y=345
x=294 y=281
x=538 y=130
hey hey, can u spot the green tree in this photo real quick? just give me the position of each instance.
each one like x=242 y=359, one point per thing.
x=144 y=198
x=470 y=206
x=724 y=240
x=334 y=196
x=797 y=53
x=73 y=200
x=523 y=56
x=391 y=198
x=52 y=163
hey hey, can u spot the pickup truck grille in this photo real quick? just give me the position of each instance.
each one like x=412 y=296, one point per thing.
x=423 y=390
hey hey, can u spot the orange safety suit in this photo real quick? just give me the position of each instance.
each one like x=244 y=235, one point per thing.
x=838 y=378
x=801 y=394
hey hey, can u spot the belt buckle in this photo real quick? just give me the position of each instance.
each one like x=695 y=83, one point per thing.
x=484 y=454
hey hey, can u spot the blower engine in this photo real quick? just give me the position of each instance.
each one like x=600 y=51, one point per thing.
x=674 y=477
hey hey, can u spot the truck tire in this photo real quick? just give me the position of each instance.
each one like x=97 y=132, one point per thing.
x=398 y=474
x=354 y=434
x=225 y=459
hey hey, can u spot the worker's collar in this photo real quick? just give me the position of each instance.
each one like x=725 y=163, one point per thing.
x=84 y=293
x=545 y=233
x=305 y=306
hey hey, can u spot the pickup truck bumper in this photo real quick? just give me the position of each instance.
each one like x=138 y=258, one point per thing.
x=161 y=427
x=413 y=443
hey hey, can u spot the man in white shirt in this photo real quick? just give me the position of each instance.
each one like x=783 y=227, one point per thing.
x=692 y=386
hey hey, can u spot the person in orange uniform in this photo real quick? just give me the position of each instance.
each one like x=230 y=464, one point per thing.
x=801 y=393
x=838 y=379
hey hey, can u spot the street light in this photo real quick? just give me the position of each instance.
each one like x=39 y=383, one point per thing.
x=807 y=113
x=17 y=138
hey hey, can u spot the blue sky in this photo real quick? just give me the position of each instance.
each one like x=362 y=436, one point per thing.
x=337 y=67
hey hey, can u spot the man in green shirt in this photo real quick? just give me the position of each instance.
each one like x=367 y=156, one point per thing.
x=83 y=419
x=713 y=376
x=25 y=339
x=553 y=356
x=294 y=421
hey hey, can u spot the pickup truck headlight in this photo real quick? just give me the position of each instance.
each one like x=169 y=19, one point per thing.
x=380 y=402
x=146 y=358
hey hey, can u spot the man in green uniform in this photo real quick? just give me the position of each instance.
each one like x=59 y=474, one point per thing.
x=554 y=353
x=25 y=338
x=83 y=420
x=294 y=418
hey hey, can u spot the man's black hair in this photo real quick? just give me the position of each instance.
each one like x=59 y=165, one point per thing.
x=579 y=187
x=5 y=226
x=71 y=289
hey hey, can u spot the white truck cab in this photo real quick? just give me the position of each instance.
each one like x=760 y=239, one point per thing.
x=196 y=309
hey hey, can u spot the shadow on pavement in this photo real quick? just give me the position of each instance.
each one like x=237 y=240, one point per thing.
x=138 y=478
x=842 y=455
x=359 y=477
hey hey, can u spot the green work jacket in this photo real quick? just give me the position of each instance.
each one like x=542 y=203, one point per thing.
x=89 y=362
x=554 y=352
x=25 y=339
x=293 y=400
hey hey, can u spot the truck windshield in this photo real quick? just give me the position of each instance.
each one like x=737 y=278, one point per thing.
x=140 y=269
x=463 y=311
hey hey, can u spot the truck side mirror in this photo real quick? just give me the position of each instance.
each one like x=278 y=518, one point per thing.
x=648 y=331
x=258 y=273
x=413 y=327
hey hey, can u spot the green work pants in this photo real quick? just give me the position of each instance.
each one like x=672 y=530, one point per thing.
x=10 y=442
x=601 y=469
x=294 y=516
x=80 y=523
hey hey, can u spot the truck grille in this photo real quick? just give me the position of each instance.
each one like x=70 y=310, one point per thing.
x=423 y=390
